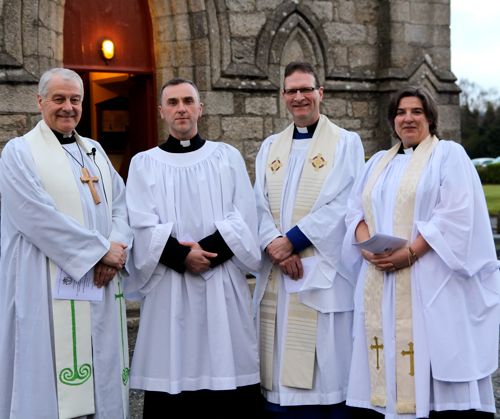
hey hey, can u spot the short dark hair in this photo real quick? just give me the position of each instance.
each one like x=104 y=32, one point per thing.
x=428 y=103
x=302 y=67
x=176 y=81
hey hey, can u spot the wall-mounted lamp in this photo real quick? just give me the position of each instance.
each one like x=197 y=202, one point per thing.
x=107 y=49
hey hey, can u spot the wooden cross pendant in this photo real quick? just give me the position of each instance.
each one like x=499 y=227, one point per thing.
x=90 y=180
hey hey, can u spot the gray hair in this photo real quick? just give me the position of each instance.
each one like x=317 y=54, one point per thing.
x=64 y=73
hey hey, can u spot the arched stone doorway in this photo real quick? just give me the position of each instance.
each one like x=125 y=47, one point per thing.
x=119 y=105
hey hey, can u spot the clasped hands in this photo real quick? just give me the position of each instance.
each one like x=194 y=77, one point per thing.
x=280 y=251
x=388 y=261
x=113 y=261
x=197 y=260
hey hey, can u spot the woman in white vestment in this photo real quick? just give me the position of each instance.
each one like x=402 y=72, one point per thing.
x=426 y=313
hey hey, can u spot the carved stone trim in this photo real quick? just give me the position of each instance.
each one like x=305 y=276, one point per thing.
x=278 y=30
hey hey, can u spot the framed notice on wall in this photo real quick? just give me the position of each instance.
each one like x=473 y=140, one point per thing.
x=114 y=121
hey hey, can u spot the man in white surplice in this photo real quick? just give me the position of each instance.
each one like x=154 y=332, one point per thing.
x=194 y=219
x=61 y=358
x=303 y=178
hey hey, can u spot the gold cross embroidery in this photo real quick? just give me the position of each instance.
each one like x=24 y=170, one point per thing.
x=410 y=352
x=376 y=347
x=318 y=161
x=275 y=165
x=90 y=180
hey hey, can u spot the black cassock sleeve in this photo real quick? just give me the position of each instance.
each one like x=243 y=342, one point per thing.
x=216 y=244
x=174 y=254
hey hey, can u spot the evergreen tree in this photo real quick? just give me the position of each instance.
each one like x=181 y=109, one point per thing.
x=469 y=125
x=490 y=129
x=479 y=120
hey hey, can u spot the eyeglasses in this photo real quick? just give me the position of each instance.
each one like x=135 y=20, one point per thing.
x=303 y=91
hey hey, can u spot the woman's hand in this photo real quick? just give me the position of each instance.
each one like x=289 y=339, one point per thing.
x=389 y=261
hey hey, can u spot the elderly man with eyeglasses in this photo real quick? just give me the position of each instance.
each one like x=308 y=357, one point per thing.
x=304 y=296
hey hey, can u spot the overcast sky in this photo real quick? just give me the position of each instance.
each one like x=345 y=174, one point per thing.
x=475 y=41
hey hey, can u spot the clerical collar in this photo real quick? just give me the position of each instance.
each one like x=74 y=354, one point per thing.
x=64 y=138
x=301 y=133
x=403 y=150
x=173 y=145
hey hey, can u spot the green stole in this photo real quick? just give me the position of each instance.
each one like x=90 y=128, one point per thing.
x=71 y=318
x=300 y=341
x=374 y=284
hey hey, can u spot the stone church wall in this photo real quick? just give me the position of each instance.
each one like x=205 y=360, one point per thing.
x=236 y=50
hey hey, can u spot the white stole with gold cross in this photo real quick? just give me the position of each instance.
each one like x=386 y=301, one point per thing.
x=374 y=283
x=300 y=340
x=71 y=319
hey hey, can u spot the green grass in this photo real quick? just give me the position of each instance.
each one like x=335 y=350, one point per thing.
x=492 y=193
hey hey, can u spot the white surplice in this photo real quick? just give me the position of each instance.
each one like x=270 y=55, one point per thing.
x=195 y=332
x=329 y=289
x=32 y=230
x=455 y=287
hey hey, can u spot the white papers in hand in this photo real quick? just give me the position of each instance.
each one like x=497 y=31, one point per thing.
x=292 y=285
x=381 y=243
x=68 y=289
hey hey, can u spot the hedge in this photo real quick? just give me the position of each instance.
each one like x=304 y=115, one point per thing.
x=489 y=174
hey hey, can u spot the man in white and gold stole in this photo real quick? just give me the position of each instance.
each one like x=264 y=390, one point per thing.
x=64 y=220
x=303 y=178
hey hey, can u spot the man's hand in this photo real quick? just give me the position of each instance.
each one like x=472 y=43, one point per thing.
x=197 y=260
x=292 y=266
x=279 y=249
x=103 y=274
x=116 y=255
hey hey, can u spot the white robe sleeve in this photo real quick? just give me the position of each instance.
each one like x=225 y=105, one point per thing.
x=72 y=246
x=460 y=217
x=266 y=227
x=239 y=226
x=150 y=236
